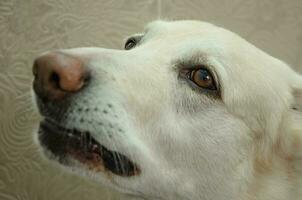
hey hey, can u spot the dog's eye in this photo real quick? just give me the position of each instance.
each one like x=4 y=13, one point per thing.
x=202 y=78
x=130 y=43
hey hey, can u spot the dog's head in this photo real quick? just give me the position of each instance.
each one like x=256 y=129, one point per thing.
x=184 y=111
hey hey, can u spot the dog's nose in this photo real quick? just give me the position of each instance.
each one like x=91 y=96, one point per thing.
x=58 y=75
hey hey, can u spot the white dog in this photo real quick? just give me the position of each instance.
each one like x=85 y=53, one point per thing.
x=188 y=111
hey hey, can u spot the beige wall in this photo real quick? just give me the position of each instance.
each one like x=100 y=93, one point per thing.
x=29 y=27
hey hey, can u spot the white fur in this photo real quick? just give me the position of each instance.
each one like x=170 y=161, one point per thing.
x=246 y=145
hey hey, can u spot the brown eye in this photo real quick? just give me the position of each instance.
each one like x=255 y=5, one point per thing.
x=203 y=78
x=131 y=42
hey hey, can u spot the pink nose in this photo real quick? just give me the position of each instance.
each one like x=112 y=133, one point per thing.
x=58 y=75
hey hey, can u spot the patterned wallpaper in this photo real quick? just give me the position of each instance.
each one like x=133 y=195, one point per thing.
x=29 y=27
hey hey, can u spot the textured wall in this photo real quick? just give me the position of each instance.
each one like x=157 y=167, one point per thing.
x=29 y=27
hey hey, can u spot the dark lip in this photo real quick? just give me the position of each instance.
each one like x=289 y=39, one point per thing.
x=80 y=145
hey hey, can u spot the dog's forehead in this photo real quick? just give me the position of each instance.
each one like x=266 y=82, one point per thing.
x=183 y=38
x=187 y=29
x=183 y=26
x=191 y=39
x=208 y=38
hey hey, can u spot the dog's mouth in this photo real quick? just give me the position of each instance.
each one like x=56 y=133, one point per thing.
x=81 y=146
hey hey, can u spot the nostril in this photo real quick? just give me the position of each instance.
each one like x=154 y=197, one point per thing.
x=54 y=79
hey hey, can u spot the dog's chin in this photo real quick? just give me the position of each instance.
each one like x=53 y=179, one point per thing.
x=66 y=145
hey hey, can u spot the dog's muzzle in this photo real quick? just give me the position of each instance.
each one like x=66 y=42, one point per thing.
x=57 y=78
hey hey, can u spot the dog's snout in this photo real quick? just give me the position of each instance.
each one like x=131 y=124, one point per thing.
x=57 y=75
